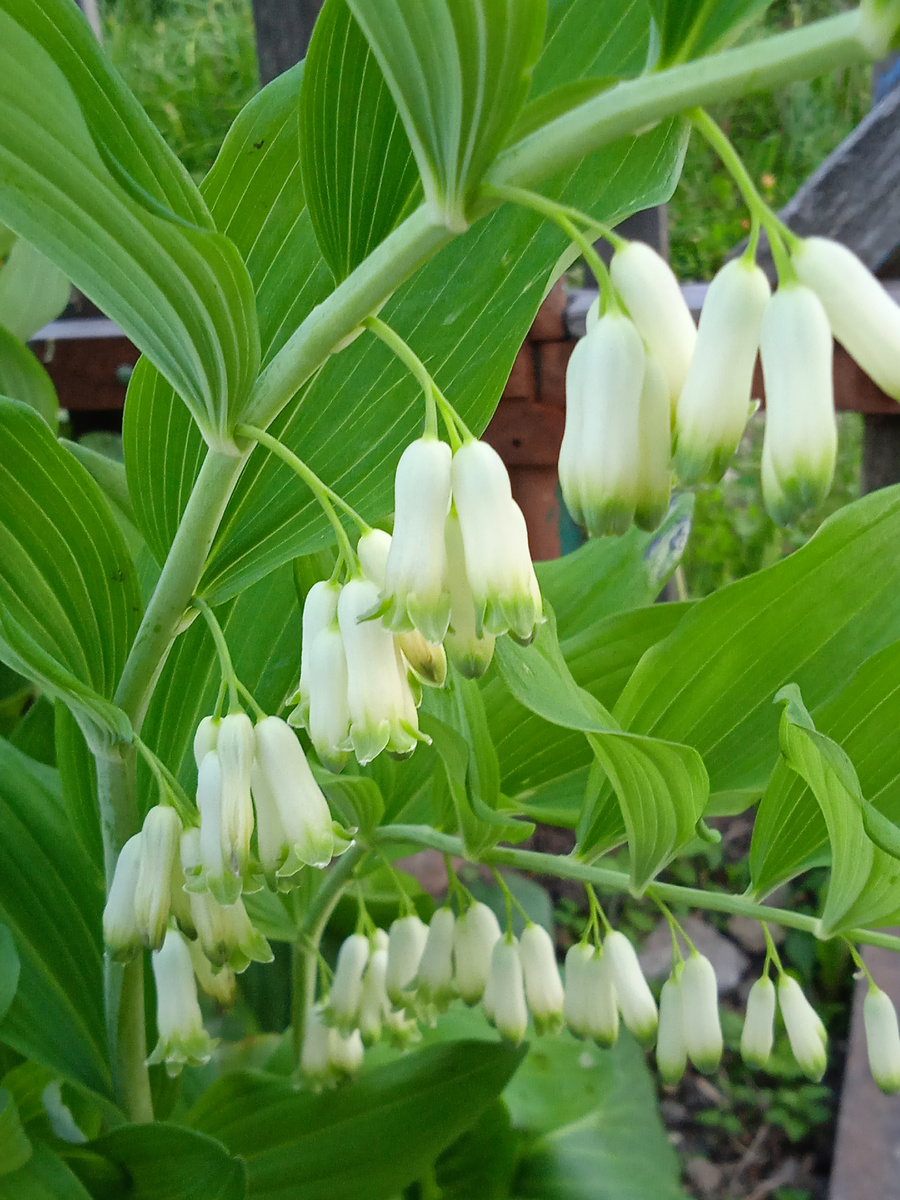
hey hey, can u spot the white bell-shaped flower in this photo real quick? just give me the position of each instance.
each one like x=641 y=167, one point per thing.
x=495 y=544
x=319 y=610
x=372 y=550
x=235 y=748
x=602 y=1005
x=435 y=975
x=226 y=934
x=470 y=653
x=882 y=1039
x=543 y=986
x=206 y=737
x=863 y=317
x=406 y=943
x=160 y=838
x=416 y=591
x=655 y=303
x=635 y=1000
x=758 y=1034
x=182 y=1038
x=805 y=1031
x=296 y=817
x=220 y=984
x=374 y=1003
x=800 y=442
x=216 y=870
x=477 y=932
x=505 y=991
x=671 y=1048
x=345 y=1052
x=314 y=1054
x=346 y=987
x=654 y=478
x=700 y=998
x=328 y=713
x=120 y=928
x=575 y=1000
x=599 y=472
x=715 y=401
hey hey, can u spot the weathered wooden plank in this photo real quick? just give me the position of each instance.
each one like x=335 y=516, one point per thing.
x=283 y=30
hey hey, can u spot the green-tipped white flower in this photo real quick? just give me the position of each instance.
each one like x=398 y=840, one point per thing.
x=435 y=975
x=671 y=1047
x=715 y=401
x=225 y=933
x=293 y=803
x=602 y=1007
x=700 y=999
x=372 y=550
x=863 y=317
x=805 y=1031
x=505 y=991
x=879 y=26
x=120 y=928
x=216 y=870
x=654 y=479
x=652 y=295
x=379 y=718
x=374 y=1003
x=406 y=942
x=221 y=985
x=206 y=737
x=635 y=1000
x=346 y=988
x=575 y=1001
x=600 y=459
x=160 y=837
x=401 y=1028
x=182 y=1038
x=416 y=591
x=328 y=712
x=495 y=544
x=345 y=1052
x=470 y=653
x=800 y=442
x=543 y=986
x=319 y=610
x=314 y=1055
x=474 y=938
x=882 y=1039
x=235 y=748
x=758 y=1033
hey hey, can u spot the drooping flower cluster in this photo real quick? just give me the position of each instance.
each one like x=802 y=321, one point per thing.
x=455 y=575
x=614 y=461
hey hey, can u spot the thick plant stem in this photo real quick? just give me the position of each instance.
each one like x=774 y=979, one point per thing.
x=618 y=881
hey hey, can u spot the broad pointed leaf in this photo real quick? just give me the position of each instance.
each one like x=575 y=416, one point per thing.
x=169 y=1162
x=33 y=291
x=23 y=378
x=15 y=1148
x=689 y=28
x=43 y=1177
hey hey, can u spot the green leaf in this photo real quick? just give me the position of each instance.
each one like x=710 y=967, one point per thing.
x=459 y=71
x=78 y=781
x=89 y=181
x=108 y=472
x=43 y=1177
x=69 y=598
x=15 y=1148
x=169 y=1162
x=51 y=898
x=482 y=1161
x=690 y=28
x=359 y=174
x=23 y=378
x=9 y=970
x=365 y=1141
x=33 y=291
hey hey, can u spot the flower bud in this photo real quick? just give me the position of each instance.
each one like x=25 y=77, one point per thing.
x=416 y=591
x=477 y=932
x=543 y=986
x=378 y=713
x=715 y=401
x=700 y=1000
x=182 y=1038
x=505 y=991
x=346 y=988
x=495 y=544
x=120 y=928
x=759 y=1024
x=470 y=653
x=863 y=317
x=319 y=610
x=435 y=974
x=406 y=944
x=800 y=442
x=314 y=1055
x=345 y=1053
x=297 y=818
x=602 y=1008
x=372 y=550
x=882 y=1039
x=234 y=746
x=575 y=1000
x=328 y=711
x=654 y=479
x=215 y=869
x=635 y=1000
x=599 y=470
x=652 y=295
x=205 y=738
x=160 y=838
x=373 y=1002
x=671 y=1050
x=221 y=985
x=805 y=1031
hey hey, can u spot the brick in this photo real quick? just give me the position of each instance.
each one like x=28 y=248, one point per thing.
x=521 y=384
x=552 y=371
x=526 y=435
x=89 y=375
x=534 y=489
x=550 y=322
